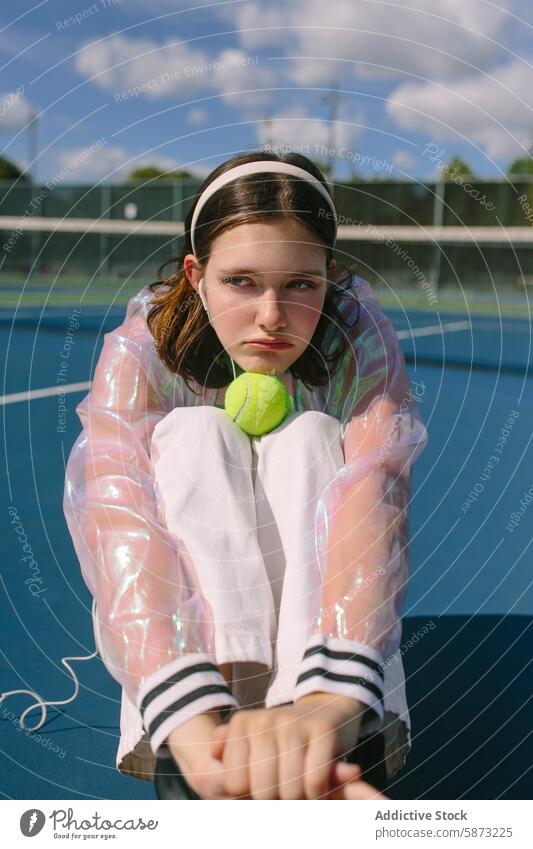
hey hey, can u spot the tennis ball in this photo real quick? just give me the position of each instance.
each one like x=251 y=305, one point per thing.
x=257 y=403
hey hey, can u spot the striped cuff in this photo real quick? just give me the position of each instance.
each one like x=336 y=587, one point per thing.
x=346 y=667
x=186 y=687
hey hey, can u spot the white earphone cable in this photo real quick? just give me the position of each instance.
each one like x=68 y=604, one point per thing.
x=201 y=290
x=41 y=703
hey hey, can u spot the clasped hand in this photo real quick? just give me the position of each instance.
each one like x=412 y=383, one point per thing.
x=286 y=752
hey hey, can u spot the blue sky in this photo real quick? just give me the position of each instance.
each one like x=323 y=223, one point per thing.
x=178 y=83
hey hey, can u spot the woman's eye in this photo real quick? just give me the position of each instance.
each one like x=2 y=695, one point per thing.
x=305 y=283
x=232 y=282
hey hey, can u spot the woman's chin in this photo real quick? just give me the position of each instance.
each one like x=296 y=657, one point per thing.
x=280 y=359
x=265 y=365
x=265 y=362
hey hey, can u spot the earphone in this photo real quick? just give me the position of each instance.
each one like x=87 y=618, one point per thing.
x=41 y=703
x=201 y=292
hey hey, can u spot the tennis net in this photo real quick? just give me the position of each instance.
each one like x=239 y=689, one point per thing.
x=456 y=295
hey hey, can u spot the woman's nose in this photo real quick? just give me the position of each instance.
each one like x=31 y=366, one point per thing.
x=271 y=312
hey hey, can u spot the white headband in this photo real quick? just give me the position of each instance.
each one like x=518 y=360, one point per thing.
x=256 y=167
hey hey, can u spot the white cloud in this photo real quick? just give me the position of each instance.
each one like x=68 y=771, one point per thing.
x=146 y=68
x=404 y=160
x=309 y=72
x=119 y=64
x=241 y=78
x=162 y=7
x=438 y=40
x=113 y=163
x=15 y=111
x=108 y=162
x=493 y=111
x=294 y=128
x=197 y=115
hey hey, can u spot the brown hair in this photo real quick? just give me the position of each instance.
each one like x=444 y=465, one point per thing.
x=185 y=341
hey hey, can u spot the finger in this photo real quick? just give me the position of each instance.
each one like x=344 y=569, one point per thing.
x=208 y=780
x=219 y=741
x=320 y=756
x=341 y=774
x=217 y=749
x=236 y=759
x=263 y=766
x=291 y=766
x=362 y=790
x=221 y=731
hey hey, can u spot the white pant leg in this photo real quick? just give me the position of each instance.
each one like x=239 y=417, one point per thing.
x=295 y=462
x=203 y=470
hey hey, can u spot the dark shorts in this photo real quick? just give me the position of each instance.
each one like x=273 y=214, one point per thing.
x=369 y=754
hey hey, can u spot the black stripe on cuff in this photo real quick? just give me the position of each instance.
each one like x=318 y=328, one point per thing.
x=345 y=679
x=174 y=679
x=345 y=655
x=185 y=700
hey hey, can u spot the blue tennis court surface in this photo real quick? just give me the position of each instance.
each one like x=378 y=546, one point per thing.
x=477 y=341
x=467 y=632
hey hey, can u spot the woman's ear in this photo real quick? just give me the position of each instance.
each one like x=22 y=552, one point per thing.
x=193 y=270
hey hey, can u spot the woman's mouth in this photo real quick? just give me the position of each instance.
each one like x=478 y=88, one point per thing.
x=274 y=346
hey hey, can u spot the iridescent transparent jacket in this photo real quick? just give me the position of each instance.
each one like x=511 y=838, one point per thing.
x=155 y=629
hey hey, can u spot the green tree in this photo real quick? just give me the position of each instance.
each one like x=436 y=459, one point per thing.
x=457 y=167
x=150 y=172
x=521 y=166
x=324 y=166
x=10 y=171
x=355 y=176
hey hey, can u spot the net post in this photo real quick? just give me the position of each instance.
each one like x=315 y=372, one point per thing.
x=438 y=217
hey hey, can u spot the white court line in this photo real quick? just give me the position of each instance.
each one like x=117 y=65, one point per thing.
x=505 y=327
x=64 y=389
x=431 y=329
x=29 y=395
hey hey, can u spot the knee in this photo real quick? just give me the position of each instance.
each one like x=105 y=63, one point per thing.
x=214 y=421
x=313 y=422
x=198 y=426
x=221 y=435
x=308 y=431
x=217 y=419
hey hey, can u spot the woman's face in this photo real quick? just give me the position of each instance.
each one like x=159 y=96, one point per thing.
x=263 y=281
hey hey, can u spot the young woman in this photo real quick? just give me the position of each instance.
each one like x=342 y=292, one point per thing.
x=265 y=693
